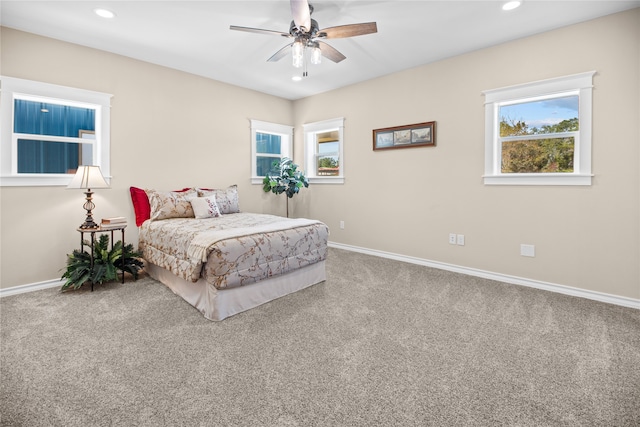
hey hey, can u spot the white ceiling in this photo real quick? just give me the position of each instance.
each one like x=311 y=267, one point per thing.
x=194 y=36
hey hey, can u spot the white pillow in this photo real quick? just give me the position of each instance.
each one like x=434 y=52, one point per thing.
x=205 y=207
x=226 y=199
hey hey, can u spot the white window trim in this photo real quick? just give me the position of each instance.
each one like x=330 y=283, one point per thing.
x=286 y=149
x=310 y=131
x=581 y=84
x=101 y=102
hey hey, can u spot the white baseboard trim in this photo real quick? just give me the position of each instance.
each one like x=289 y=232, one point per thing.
x=553 y=287
x=14 y=290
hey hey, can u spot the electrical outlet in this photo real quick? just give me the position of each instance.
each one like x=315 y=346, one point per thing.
x=341 y=225
x=528 y=250
x=452 y=238
x=460 y=239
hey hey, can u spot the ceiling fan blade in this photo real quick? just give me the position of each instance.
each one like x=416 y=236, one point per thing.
x=259 y=31
x=280 y=54
x=330 y=52
x=301 y=15
x=350 y=30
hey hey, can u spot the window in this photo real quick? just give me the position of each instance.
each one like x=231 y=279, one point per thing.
x=324 y=158
x=269 y=142
x=539 y=133
x=49 y=130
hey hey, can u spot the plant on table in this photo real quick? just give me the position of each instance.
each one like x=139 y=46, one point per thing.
x=106 y=263
x=284 y=178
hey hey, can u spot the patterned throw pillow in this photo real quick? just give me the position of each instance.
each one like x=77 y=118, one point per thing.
x=205 y=207
x=227 y=200
x=171 y=204
x=141 y=206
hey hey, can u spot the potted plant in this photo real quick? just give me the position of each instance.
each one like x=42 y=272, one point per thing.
x=105 y=266
x=285 y=178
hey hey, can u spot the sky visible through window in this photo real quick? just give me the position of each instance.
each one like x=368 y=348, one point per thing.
x=540 y=113
x=328 y=147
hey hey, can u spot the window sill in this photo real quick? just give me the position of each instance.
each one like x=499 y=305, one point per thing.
x=326 y=180
x=312 y=180
x=538 y=179
x=35 y=181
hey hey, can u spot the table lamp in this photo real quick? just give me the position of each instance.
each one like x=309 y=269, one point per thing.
x=88 y=177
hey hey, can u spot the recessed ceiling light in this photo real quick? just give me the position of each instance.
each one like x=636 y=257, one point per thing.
x=296 y=78
x=104 y=13
x=510 y=5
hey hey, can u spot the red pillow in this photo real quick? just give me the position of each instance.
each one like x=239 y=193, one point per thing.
x=141 y=206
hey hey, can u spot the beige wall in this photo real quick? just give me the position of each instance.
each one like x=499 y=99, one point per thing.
x=400 y=201
x=169 y=129
x=408 y=201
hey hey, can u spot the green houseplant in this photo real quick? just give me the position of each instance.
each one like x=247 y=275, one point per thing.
x=106 y=263
x=284 y=178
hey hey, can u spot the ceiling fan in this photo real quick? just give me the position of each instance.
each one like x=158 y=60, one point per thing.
x=308 y=35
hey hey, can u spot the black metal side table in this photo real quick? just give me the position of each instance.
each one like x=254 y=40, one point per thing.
x=93 y=232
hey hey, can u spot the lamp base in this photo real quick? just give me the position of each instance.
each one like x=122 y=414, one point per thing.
x=89 y=223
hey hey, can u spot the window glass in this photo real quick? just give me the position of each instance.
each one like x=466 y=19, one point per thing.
x=324 y=151
x=538 y=136
x=539 y=133
x=269 y=142
x=45 y=118
x=48 y=130
x=328 y=163
x=268 y=149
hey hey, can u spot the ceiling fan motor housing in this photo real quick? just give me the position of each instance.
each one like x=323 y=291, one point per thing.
x=297 y=33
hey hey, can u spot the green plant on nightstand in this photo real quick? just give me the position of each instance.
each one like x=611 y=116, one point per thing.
x=106 y=263
x=285 y=178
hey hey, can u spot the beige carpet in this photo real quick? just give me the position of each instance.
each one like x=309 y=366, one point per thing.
x=380 y=343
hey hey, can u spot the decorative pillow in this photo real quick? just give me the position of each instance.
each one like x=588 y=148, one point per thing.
x=141 y=206
x=171 y=204
x=227 y=200
x=205 y=207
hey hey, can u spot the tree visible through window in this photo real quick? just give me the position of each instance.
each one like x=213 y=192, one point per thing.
x=539 y=136
x=324 y=151
x=328 y=158
x=539 y=133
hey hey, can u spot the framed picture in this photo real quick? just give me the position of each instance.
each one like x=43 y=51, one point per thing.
x=418 y=135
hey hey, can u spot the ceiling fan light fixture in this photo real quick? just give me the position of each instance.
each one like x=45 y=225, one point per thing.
x=316 y=54
x=297 y=53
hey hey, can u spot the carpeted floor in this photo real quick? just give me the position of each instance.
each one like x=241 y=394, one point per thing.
x=380 y=343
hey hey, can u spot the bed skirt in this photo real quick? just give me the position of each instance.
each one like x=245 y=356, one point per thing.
x=215 y=304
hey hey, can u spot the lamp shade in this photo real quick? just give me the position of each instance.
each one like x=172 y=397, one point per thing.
x=88 y=177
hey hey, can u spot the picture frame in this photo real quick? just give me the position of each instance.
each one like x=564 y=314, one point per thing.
x=416 y=135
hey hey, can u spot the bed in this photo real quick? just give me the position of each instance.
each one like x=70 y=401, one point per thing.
x=223 y=261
